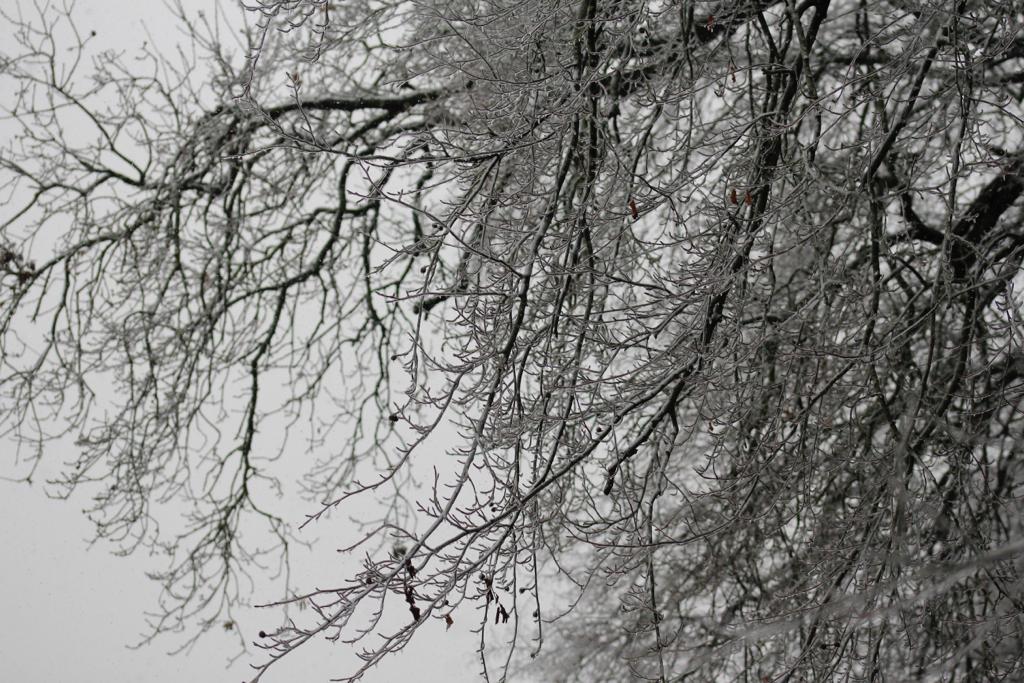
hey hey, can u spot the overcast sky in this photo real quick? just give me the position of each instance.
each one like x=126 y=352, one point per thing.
x=69 y=609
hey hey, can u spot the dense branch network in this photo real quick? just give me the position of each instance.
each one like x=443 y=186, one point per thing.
x=719 y=298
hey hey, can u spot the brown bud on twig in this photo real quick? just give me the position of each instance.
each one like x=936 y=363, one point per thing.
x=501 y=615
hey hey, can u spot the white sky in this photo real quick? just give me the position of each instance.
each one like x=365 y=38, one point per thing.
x=69 y=610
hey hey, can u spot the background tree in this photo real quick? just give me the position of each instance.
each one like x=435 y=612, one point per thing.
x=720 y=297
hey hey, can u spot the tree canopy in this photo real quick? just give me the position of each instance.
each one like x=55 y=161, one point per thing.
x=683 y=338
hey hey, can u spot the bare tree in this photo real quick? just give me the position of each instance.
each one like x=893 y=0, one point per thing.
x=720 y=297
